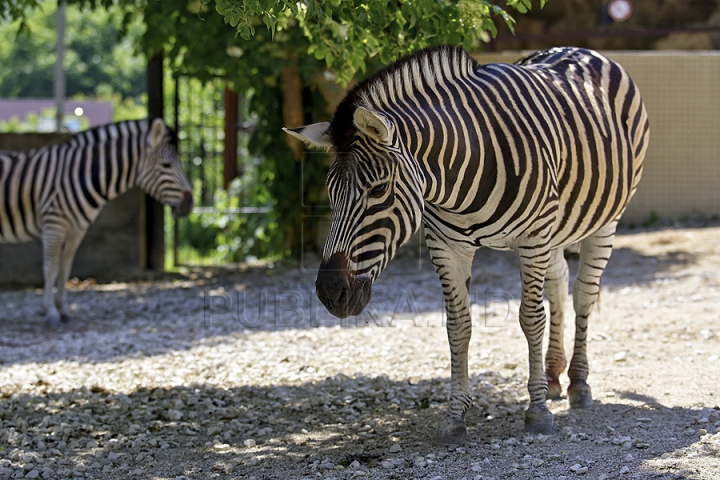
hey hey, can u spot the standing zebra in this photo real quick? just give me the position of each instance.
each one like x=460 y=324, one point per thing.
x=528 y=157
x=56 y=192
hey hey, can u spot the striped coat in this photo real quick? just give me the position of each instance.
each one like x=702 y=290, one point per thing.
x=528 y=157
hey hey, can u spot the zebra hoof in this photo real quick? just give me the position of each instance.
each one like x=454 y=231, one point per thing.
x=554 y=390
x=538 y=419
x=579 y=394
x=455 y=434
x=52 y=320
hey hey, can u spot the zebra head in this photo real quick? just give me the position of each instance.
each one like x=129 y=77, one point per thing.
x=160 y=173
x=376 y=196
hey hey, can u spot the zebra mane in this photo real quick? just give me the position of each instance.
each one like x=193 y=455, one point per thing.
x=142 y=126
x=419 y=71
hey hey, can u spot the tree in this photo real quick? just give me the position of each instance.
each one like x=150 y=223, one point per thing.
x=97 y=63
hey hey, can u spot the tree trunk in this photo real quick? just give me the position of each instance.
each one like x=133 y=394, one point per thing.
x=292 y=107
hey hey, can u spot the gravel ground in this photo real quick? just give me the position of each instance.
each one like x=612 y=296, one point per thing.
x=242 y=374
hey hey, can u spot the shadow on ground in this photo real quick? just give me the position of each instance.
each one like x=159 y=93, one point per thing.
x=322 y=428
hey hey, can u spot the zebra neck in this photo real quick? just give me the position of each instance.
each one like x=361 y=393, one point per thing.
x=105 y=162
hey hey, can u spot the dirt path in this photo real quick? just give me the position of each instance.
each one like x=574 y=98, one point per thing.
x=177 y=379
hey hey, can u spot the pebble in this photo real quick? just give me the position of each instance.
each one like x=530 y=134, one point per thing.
x=249 y=443
x=579 y=469
x=624 y=470
x=395 y=448
x=620 y=356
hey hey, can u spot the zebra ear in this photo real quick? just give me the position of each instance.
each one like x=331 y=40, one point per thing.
x=157 y=132
x=373 y=124
x=315 y=135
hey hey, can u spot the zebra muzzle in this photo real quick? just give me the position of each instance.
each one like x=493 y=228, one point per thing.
x=341 y=293
x=185 y=206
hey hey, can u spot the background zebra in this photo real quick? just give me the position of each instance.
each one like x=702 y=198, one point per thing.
x=529 y=157
x=56 y=192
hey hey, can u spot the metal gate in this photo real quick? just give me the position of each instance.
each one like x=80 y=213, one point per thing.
x=199 y=117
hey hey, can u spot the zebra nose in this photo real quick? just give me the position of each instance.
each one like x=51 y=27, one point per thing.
x=333 y=285
x=185 y=206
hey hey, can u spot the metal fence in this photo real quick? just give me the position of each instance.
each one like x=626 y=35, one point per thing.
x=204 y=115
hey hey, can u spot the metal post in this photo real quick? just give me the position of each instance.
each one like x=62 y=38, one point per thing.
x=155 y=226
x=59 y=81
x=230 y=170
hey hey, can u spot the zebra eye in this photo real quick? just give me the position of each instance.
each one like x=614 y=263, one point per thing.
x=378 y=190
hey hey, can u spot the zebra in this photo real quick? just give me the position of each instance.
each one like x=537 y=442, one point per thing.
x=55 y=192
x=528 y=157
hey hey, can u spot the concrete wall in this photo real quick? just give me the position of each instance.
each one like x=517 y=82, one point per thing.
x=113 y=248
x=682 y=95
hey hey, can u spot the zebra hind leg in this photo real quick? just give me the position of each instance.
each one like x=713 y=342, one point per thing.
x=72 y=242
x=53 y=238
x=594 y=255
x=556 y=289
x=534 y=261
x=453 y=266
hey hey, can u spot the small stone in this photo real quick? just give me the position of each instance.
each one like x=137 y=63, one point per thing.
x=96 y=466
x=387 y=464
x=644 y=419
x=537 y=462
x=624 y=470
x=603 y=476
x=214 y=430
x=249 y=443
x=355 y=464
x=418 y=461
x=395 y=448
x=113 y=456
x=92 y=444
x=629 y=458
x=173 y=415
x=621 y=356
x=476 y=468
x=702 y=432
x=32 y=474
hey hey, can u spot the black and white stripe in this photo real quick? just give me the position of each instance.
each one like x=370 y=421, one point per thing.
x=529 y=157
x=56 y=192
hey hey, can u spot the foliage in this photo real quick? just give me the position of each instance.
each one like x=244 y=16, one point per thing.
x=345 y=34
x=96 y=60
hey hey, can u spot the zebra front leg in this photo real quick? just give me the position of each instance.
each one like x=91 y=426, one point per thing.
x=534 y=262
x=72 y=242
x=595 y=252
x=454 y=269
x=556 y=289
x=53 y=238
